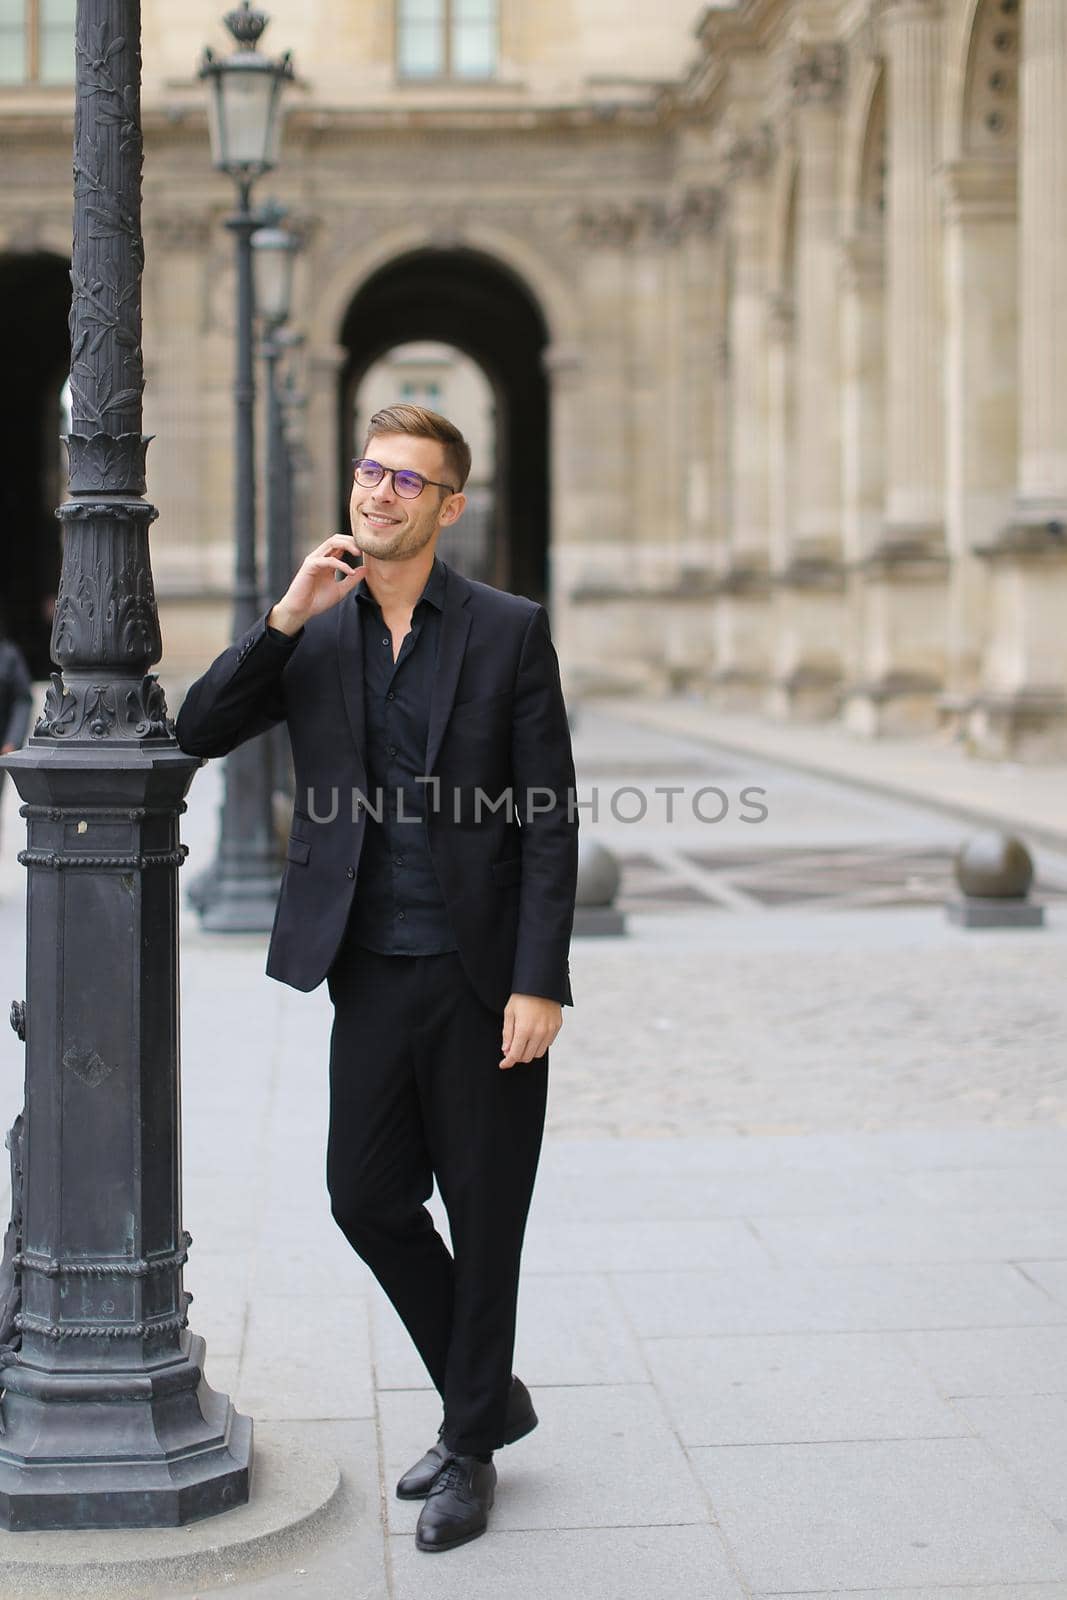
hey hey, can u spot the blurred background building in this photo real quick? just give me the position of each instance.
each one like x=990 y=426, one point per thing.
x=755 y=314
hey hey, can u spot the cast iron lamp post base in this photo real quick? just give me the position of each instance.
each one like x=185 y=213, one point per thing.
x=187 y=1452
x=107 y=1420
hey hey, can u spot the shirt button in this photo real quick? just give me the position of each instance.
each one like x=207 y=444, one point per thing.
x=390 y=695
x=392 y=749
x=400 y=916
x=399 y=860
x=386 y=639
x=350 y=872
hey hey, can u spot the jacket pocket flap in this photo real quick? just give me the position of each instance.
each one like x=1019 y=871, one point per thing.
x=298 y=850
x=505 y=872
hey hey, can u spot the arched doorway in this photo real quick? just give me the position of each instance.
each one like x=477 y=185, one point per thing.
x=466 y=300
x=37 y=349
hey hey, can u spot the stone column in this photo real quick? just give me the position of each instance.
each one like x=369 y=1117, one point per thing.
x=861 y=282
x=742 y=609
x=1043 y=263
x=808 y=611
x=982 y=401
x=593 y=577
x=904 y=576
x=567 y=409
x=700 y=270
x=1022 y=709
x=817 y=78
x=912 y=32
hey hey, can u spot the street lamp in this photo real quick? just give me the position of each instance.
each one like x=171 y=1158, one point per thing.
x=238 y=893
x=105 y=1418
x=274 y=252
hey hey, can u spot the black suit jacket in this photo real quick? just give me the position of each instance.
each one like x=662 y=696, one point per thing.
x=497 y=725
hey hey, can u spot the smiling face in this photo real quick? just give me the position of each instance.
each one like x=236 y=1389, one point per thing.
x=392 y=529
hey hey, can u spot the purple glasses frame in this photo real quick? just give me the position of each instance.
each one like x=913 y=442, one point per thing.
x=394 y=472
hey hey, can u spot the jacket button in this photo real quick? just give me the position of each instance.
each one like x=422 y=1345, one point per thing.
x=350 y=872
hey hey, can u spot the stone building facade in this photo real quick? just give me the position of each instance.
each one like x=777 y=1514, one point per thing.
x=770 y=298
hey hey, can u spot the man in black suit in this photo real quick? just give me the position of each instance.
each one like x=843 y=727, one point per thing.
x=430 y=880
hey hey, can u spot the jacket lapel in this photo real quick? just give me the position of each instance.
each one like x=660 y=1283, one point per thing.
x=350 y=662
x=455 y=626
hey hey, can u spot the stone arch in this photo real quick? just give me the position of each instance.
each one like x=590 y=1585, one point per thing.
x=545 y=285
x=472 y=301
x=783 y=209
x=35 y=283
x=873 y=167
x=989 y=119
x=864 y=134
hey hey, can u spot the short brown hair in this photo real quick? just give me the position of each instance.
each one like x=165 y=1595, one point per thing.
x=423 y=424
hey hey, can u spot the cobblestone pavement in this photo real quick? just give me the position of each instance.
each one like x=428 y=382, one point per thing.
x=796 y=1016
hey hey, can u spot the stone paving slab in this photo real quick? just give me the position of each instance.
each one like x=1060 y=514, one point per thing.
x=989 y=1591
x=679 y=1563
x=282 y=1361
x=994 y=1361
x=571 y=1331
x=834 y=1299
x=922 y=1235
x=1029 y=1434
x=858 y=1516
x=794 y=1388
x=636 y=1246
x=603 y=1457
x=967 y=1189
x=1051 y=1276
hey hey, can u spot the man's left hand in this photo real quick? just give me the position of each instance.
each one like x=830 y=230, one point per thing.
x=530 y=1025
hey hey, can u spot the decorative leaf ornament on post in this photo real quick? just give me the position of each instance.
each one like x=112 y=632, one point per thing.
x=106 y=1418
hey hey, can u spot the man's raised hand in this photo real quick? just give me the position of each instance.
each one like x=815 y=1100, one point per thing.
x=322 y=580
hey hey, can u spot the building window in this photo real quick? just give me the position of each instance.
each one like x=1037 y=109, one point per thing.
x=454 y=39
x=37 y=41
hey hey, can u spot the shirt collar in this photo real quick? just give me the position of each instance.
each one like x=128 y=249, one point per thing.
x=433 y=590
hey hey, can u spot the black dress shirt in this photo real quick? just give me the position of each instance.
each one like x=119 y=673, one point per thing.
x=398 y=908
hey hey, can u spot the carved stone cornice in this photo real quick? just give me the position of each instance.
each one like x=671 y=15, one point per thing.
x=809 y=572
x=746 y=153
x=1044 y=542
x=982 y=188
x=894 y=11
x=614 y=225
x=817 y=74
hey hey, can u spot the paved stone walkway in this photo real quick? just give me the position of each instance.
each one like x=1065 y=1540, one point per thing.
x=795 y=1302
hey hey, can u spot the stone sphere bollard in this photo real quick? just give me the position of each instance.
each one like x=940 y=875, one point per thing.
x=994 y=872
x=995 y=866
x=598 y=884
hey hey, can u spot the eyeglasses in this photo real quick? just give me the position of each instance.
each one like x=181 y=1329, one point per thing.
x=407 y=484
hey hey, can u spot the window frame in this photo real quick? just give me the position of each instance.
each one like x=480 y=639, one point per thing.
x=32 y=22
x=447 y=75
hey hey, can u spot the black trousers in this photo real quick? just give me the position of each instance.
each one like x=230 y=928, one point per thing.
x=416 y=1093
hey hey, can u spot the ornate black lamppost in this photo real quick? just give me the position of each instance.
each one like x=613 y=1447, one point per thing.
x=106 y=1418
x=238 y=894
x=274 y=251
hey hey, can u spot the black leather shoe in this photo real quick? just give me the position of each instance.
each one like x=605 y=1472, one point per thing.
x=457 y=1507
x=519 y=1420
